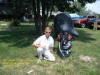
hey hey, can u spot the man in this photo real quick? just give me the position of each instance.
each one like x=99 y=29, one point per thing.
x=44 y=45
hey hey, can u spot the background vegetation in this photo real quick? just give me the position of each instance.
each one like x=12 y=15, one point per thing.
x=41 y=9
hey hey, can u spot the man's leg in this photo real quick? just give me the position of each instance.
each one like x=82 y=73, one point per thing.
x=49 y=56
x=40 y=52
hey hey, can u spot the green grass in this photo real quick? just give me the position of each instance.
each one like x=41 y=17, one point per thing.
x=17 y=56
x=22 y=24
x=4 y=22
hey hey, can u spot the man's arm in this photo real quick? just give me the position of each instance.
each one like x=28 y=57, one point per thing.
x=52 y=45
x=37 y=45
x=51 y=49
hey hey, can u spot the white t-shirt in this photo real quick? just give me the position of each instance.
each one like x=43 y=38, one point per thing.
x=43 y=41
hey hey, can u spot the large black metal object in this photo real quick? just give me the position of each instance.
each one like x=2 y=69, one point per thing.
x=64 y=29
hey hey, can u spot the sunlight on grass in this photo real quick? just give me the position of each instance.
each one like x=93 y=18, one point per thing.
x=17 y=45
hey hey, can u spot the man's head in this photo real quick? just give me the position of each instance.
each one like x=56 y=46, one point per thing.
x=48 y=31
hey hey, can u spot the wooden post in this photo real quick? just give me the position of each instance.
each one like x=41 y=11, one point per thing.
x=96 y=24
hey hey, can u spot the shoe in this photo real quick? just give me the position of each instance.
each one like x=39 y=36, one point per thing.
x=45 y=58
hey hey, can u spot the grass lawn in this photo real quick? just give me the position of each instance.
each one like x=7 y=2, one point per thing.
x=18 y=57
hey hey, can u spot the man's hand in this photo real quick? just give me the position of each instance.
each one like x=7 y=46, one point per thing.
x=42 y=46
x=37 y=45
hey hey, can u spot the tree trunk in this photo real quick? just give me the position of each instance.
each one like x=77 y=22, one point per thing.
x=37 y=16
x=44 y=16
x=16 y=14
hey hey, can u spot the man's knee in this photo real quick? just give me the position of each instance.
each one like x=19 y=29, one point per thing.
x=49 y=56
x=39 y=49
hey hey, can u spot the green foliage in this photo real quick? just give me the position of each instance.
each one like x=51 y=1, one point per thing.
x=71 y=5
x=24 y=7
x=14 y=23
x=83 y=2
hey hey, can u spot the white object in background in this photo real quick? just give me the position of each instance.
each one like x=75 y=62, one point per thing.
x=30 y=71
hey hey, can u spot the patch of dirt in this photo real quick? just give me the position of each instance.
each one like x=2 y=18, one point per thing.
x=86 y=58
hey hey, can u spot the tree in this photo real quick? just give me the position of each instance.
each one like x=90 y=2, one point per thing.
x=41 y=21
x=71 y=5
x=49 y=5
x=19 y=7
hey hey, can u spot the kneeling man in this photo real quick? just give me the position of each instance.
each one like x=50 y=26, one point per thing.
x=44 y=45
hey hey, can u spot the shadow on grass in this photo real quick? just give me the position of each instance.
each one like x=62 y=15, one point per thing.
x=25 y=38
x=84 y=36
x=22 y=38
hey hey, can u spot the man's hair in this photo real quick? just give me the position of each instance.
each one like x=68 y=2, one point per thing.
x=48 y=28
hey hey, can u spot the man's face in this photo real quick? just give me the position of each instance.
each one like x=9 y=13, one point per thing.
x=47 y=32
